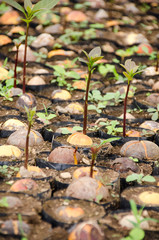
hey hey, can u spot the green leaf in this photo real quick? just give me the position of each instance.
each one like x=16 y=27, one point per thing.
x=27 y=5
x=137 y=234
x=73 y=74
x=85 y=53
x=95 y=52
x=110 y=140
x=51 y=116
x=45 y=4
x=149 y=178
x=65 y=131
x=127 y=76
x=155 y=116
x=133 y=177
x=3 y=202
x=82 y=60
x=92 y=107
x=77 y=128
x=151 y=110
x=134 y=208
x=41 y=115
x=59 y=69
x=15 y=5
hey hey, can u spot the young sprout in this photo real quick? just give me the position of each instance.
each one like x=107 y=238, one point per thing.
x=131 y=70
x=137 y=232
x=93 y=56
x=30 y=117
x=95 y=149
x=30 y=12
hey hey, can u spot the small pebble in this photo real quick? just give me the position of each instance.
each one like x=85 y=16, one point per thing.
x=65 y=175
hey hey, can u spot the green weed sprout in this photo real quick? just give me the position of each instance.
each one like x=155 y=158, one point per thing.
x=95 y=149
x=137 y=233
x=154 y=112
x=46 y=116
x=140 y=178
x=30 y=12
x=30 y=117
x=131 y=70
x=93 y=56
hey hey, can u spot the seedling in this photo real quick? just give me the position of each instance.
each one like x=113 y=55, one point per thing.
x=74 y=129
x=110 y=98
x=108 y=68
x=98 y=108
x=24 y=237
x=89 y=34
x=30 y=12
x=93 y=56
x=70 y=36
x=5 y=89
x=30 y=117
x=140 y=178
x=40 y=56
x=154 y=112
x=137 y=233
x=131 y=70
x=95 y=149
x=111 y=127
x=46 y=116
x=62 y=75
x=126 y=53
x=7 y=171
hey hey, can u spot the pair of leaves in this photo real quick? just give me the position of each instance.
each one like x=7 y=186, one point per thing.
x=93 y=56
x=131 y=69
x=32 y=11
x=139 y=178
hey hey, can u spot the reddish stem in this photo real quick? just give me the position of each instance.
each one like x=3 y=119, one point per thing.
x=25 y=54
x=86 y=104
x=27 y=147
x=125 y=105
x=157 y=65
x=15 y=67
x=92 y=164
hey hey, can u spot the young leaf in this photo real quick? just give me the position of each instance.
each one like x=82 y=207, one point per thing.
x=15 y=5
x=110 y=140
x=155 y=116
x=44 y=4
x=134 y=208
x=137 y=234
x=95 y=52
x=82 y=60
x=73 y=74
x=59 y=69
x=27 y=5
x=148 y=178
